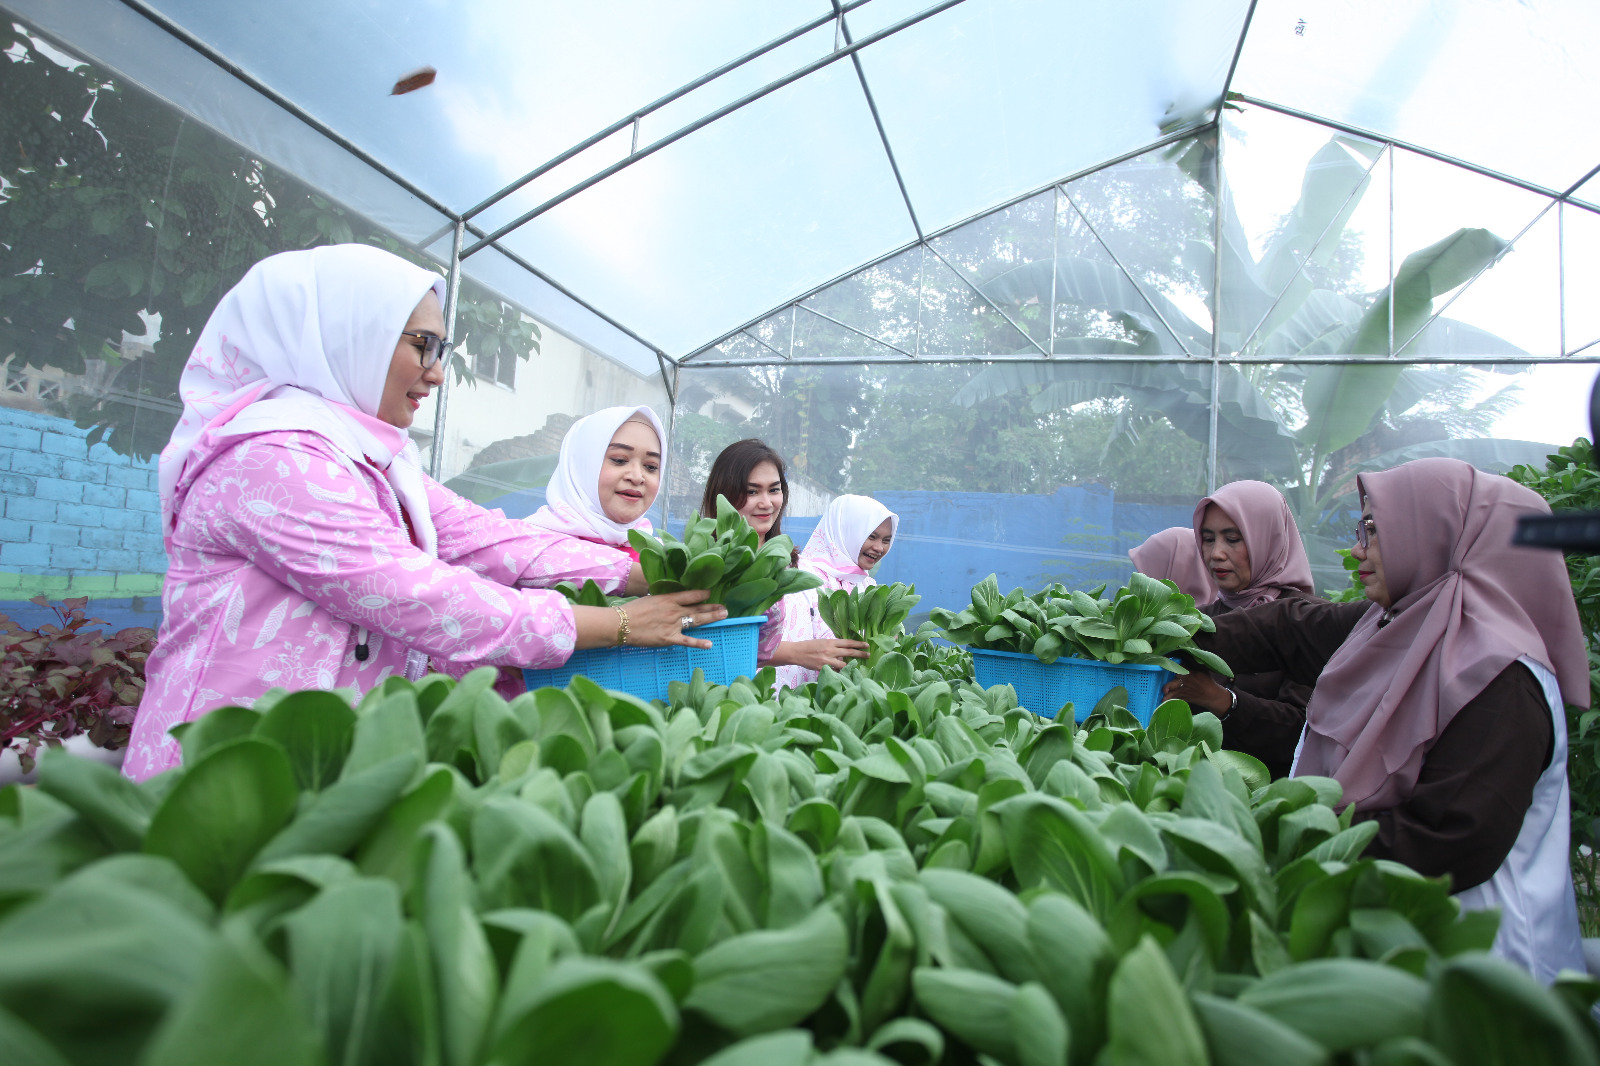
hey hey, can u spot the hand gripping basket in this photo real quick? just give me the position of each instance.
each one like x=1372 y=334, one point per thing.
x=1044 y=688
x=645 y=672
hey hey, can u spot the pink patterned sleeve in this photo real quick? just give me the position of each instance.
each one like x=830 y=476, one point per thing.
x=771 y=632
x=509 y=551
x=324 y=535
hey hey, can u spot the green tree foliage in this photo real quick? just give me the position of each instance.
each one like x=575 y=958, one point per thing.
x=120 y=216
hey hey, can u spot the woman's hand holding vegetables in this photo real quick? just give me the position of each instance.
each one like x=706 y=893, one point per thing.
x=815 y=654
x=1199 y=690
x=653 y=622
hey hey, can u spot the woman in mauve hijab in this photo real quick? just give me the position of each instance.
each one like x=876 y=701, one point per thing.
x=1245 y=537
x=1170 y=555
x=1438 y=704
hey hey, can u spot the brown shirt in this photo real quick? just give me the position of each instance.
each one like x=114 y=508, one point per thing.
x=1270 y=710
x=1477 y=779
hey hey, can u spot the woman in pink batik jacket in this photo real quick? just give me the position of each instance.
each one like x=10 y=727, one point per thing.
x=306 y=547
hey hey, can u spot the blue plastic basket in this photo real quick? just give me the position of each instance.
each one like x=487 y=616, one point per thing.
x=645 y=672
x=1044 y=687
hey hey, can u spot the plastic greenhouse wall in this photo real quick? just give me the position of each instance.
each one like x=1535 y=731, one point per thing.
x=146 y=221
x=1034 y=391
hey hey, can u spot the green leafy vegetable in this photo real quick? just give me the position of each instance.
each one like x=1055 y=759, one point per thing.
x=1148 y=622
x=724 y=556
x=889 y=864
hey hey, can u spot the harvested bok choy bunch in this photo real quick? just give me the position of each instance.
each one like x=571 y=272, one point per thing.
x=1147 y=622
x=724 y=556
x=590 y=595
x=874 y=614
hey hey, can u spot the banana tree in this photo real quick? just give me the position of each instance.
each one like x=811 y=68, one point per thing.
x=1280 y=422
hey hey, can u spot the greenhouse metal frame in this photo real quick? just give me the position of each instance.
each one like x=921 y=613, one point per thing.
x=213 y=66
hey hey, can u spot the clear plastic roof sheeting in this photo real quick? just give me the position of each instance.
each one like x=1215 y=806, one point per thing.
x=877 y=180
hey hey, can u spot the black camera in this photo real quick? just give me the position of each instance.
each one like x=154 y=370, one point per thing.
x=1574 y=531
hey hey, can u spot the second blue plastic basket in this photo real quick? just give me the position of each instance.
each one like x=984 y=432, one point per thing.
x=645 y=672
x=1044 y=687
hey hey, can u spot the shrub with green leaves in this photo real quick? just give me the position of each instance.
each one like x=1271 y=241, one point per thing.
x=725 y=556
x=882 y=867
x=1355 y=591
x=1147 y=622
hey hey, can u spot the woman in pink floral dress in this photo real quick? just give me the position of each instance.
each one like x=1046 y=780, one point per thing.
x=306 y=548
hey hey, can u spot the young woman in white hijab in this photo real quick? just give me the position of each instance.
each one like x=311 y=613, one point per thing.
x=606 y=478
x=854 y=535
x=306 y=546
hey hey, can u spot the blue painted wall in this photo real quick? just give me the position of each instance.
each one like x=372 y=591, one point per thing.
x=73 y=509
x=949 y=541
x=76 y=520
x=82 y=520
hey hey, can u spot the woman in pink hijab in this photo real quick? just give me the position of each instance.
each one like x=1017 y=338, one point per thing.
x=1439 y=703
x=1248 y=543
x=1170 y=556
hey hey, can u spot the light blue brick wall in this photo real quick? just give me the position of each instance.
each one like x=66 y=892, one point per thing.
x=19 y=437
x=53 y=488
x=71 y=509
x=104 y=495
x=25 y=555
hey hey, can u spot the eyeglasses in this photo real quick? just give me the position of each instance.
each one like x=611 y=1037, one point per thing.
x=433 y=348
x=1366 y=529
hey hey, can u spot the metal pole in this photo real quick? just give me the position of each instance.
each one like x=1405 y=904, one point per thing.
x=1561 y=270
x=1055 y=260
x=872 y=105
x=987 y=300
x=1357 y=191
x=668 y=460
x=1391 y=251
x=922 y=267
x=852 y=329
x=442 y=404
x=1507 y=250
x=655 y=105
x=1216 y=283
x=706 y=120
x=196 y=44
x=1345 y=127
x=1177 y=135
x=1227 y=83
x=1188 y=360
x=666 y=382
x=1211 y=473
x=1131 y=279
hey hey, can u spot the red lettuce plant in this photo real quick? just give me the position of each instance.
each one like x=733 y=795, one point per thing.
x=62 y=680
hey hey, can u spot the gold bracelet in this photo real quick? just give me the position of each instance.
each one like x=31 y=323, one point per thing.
x=622 y=623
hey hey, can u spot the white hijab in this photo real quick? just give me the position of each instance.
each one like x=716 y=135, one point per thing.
x=301 y=329
x=572 y=499
x=835 y=544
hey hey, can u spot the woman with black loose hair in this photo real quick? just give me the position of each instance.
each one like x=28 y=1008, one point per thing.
x=741 y=473
x=751 y=475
